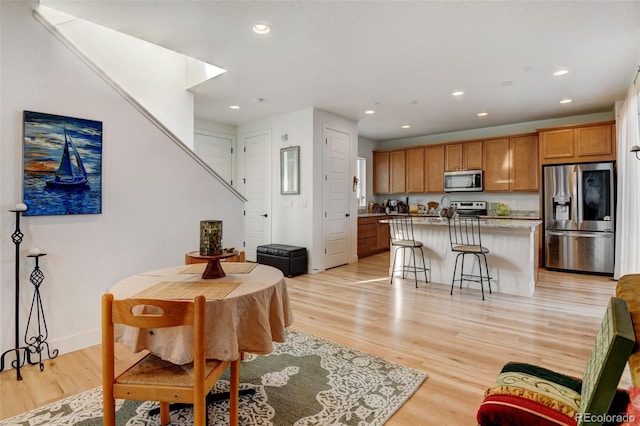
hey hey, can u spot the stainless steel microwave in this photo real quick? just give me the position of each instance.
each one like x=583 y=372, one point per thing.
x=463 y=181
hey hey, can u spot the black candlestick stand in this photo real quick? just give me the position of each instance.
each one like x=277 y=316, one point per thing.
x=37 y=344
x=19 y=361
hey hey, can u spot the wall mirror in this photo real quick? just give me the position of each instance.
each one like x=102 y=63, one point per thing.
x=290 y=170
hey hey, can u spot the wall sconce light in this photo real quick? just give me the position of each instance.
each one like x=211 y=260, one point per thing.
x=635 y=149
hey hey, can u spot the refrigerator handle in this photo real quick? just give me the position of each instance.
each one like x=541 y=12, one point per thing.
x=581 y=234
x=577 y=186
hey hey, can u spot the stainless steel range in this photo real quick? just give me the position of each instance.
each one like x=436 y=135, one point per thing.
x=470 y=208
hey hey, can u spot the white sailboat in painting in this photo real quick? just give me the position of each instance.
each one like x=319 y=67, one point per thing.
x=71 y=172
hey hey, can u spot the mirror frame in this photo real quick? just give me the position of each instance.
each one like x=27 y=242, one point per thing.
x=290 y=162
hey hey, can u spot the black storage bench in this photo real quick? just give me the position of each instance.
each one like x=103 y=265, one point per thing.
x=291 y=260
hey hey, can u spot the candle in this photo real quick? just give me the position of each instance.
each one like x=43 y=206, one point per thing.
x=210 y=237
x=21 y=207
x=34 y=251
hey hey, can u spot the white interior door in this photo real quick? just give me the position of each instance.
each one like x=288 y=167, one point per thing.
x=336 y=192
x=257 y=191
x=217 y=151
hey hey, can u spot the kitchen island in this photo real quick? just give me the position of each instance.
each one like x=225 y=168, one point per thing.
x=513 y=257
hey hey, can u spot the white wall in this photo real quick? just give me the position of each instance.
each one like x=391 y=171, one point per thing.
x=291 y=219
x=156 y=77
x=297 y=219
x=154 y=193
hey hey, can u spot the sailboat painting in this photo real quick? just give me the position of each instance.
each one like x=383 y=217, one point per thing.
x=62 y=165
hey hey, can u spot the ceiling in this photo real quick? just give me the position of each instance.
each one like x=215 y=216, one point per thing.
x=402 y=59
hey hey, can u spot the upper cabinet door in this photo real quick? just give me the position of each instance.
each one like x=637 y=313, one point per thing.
x=415 y=170
x=579 y=144
x=463 y=156
x=397 y=182
x=497 y=165
x=557 y=145
x=595 y=141
x=472 y=155
x=381 y=172
x=525 y=169
x=453 y=157
x=434 y=168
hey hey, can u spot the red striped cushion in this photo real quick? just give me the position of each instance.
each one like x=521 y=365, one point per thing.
x=512 y=410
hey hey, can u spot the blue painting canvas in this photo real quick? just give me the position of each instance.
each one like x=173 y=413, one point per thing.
x=62 y=165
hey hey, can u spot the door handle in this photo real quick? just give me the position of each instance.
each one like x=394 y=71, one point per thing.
x=264 y=215
x=347 y=215
x=582 y=234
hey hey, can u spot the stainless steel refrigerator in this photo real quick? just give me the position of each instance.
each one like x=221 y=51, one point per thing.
x=579 y=217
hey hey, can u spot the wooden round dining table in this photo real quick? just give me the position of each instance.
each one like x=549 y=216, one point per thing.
x=246 y=311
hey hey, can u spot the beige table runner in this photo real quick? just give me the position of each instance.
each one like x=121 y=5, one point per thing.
x=227 y=267
x=180 y=290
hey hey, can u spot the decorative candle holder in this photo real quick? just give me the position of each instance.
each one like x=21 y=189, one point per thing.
x=17 y=239
x=38 y=343
x=210 y=237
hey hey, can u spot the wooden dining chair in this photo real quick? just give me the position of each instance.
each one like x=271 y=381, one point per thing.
x=153 y=379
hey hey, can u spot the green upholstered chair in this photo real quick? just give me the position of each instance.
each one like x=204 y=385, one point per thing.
x=530 y=395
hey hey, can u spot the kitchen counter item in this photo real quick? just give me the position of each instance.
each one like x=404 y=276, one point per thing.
x=502 y=209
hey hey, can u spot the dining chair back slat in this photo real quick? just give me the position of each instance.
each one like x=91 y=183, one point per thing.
x=152 y=378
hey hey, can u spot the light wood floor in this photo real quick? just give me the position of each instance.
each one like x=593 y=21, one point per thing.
x=460 y=341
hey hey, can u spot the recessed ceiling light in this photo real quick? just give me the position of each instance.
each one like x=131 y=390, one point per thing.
x=369 y=111
x=406 y=126
x=458 y=93
x=483 y=114
x=561 y=72
x=234 y=106
x=261 y=29
x=566 y=101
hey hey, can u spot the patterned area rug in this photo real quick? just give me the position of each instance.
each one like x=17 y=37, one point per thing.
x=305 y=381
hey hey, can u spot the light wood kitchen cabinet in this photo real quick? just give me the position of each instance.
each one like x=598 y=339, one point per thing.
x=568 y=144
x=434 y=168
x=389 y=172
x=595 y=141
x=397 y=171
x=497 y=165
x=367 y=235
x=381 y=172
x=525 y=169
x=511 y=164
x=463 y=156
x=373 y=236
x=384 y=235
x=415 y=170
